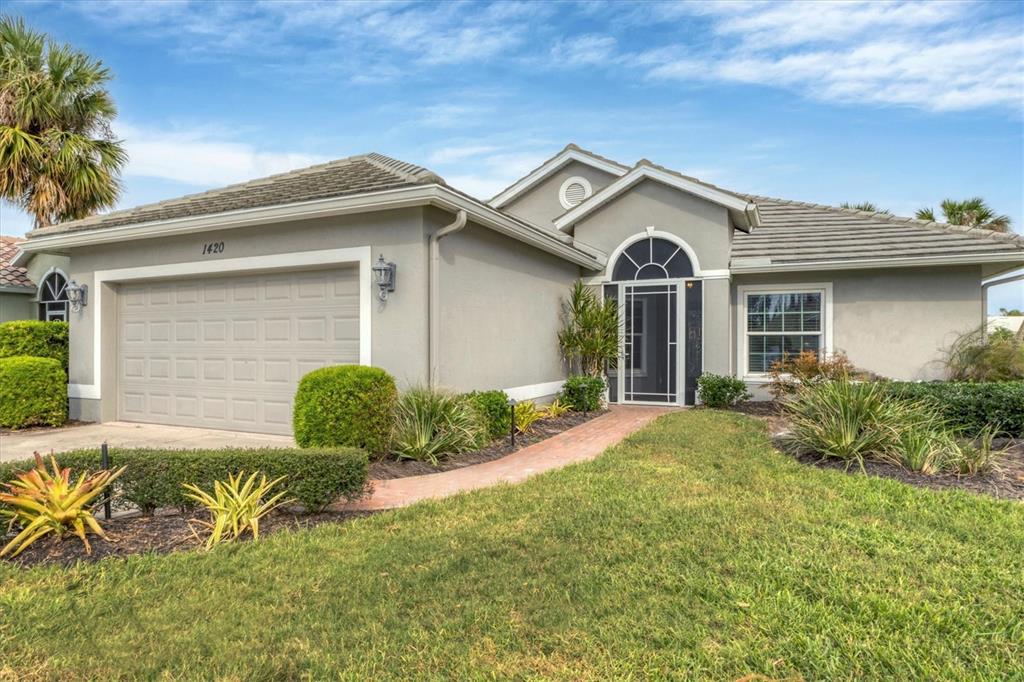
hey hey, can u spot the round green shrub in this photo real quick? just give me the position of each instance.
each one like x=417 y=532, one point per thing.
x=583 y=393
x=33 y=392
x=345 y=405
x=494 y=408
x=38 y=339
x=720 y=391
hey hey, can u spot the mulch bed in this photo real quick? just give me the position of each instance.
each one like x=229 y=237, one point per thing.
x=170 y=531
x=542 y=430
x=161 y=533
x=1007 y=482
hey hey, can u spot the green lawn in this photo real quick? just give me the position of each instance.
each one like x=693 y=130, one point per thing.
x=692 y=550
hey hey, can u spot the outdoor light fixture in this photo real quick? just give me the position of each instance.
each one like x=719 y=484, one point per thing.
x=512 y=421
x=78 y=295
x=384 y=277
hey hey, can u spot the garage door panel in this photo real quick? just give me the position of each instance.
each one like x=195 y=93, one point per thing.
x=229 y=352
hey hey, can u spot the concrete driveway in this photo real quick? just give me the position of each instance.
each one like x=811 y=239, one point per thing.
x=15 y=446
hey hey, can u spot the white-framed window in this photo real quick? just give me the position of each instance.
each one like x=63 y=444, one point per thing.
x=574 y=192
x=782 y=320
x=53 y=297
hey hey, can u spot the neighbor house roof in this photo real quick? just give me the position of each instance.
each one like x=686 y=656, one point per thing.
x=798 y=235
x=12 y=277
x=353 y=175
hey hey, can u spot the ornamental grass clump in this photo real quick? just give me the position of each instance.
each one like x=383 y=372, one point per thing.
x=846 y=420
x=860 y=421
x=47 y=502
x=236 y=507
x=431 y=424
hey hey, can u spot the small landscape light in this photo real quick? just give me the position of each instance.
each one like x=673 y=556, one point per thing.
x=512 y=420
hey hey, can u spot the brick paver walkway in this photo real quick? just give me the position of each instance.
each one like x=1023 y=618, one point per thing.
x=578 y=444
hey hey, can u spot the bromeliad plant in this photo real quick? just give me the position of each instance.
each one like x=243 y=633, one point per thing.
x=236 y=506
x=45 y=502
x=526 y=415
x=556 y=409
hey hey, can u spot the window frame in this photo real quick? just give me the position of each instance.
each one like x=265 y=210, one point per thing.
x=743 y=336
x=45 y=313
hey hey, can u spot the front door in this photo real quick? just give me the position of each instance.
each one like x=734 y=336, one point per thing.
x=650 y=359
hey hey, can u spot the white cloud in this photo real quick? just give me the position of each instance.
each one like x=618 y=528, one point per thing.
x=202 y=158
x=456 y=154
x=584 y=50
x=925 y=55
x=495 y=172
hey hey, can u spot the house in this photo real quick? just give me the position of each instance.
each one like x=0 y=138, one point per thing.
x=207 y=309
x=35 y=291
x=1012 y=323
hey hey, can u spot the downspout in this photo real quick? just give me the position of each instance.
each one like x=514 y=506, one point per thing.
x=434 y=296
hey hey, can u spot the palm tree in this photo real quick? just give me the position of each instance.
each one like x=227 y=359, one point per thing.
x=865 y=206
x=973 y=212
x=59 y=159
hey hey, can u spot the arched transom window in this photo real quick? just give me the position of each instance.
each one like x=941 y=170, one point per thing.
x=652 y=258
x=53 y=298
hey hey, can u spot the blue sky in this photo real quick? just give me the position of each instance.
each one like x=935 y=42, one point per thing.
x=901 y=104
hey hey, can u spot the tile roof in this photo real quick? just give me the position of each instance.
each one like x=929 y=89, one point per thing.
x=11 y=276
x=352 y=175
x=793 y=233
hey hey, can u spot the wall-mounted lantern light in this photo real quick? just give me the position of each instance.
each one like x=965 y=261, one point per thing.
x=384 y=277
x=78 y=295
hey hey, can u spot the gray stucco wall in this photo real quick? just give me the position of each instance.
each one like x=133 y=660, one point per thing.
x=701 y=224
x=540 y=204
x=500 y=311
x=704 y=226
x=897 y=322
x=15 y=306
x=399 y=326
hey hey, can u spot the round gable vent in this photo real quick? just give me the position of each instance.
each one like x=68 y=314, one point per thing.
x=574 y=191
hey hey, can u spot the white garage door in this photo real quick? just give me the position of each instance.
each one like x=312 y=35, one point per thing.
x=228 y=352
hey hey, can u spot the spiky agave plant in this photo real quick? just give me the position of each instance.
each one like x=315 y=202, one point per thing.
x=45 y=502
x=236 y=506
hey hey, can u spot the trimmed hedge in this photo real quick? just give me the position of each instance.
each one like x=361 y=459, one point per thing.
x=971 y=406
x=345 y=405
x=493 y=407
x=33 y=392
x=38 y=339
x=583 y=393
x=154 y=478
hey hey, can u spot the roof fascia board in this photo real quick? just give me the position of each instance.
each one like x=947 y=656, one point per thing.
x=872 y=263
x=734 y=204
x=362 y=203
x=552 y=166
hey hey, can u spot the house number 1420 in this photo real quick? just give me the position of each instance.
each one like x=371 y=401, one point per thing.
x=213 y=247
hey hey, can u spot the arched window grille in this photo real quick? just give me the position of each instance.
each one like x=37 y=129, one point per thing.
x=652 y=258
x=53 y=298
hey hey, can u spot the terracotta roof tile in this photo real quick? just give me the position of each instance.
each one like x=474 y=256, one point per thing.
x=11 y=276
